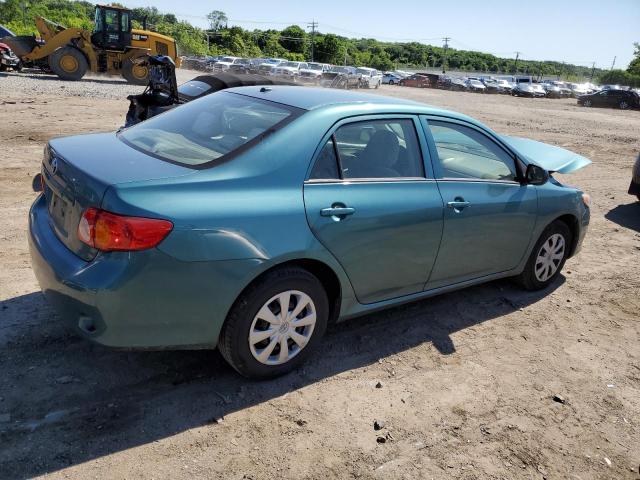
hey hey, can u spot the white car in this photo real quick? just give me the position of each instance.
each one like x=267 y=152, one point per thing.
x=225 y=63
x=313 y=72
x=288 y=69
x=369 y=77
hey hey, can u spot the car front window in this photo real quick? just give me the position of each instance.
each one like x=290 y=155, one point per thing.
x=466 y=153
x=207 y=129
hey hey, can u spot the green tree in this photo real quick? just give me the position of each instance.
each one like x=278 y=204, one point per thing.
x=330 y=49
x=634 y=65
x=293 y=39
x=217 y=20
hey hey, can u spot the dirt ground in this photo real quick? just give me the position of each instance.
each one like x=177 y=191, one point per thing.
x=463 y=384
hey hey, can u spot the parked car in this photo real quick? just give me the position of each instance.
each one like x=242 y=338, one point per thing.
x=416 y=80
x=289 y=70
x=313 y=72
x=266 y=68
x=528 y=90
x=612 y=98
x=578 y=89
x=492 y=85
x=8 y=59
x=474 y=85
x=235 y=221
x=341 y=77
x=553 y=91
x=369 y=77
x=225 y=63
x=634 y=188
x=241 y=66
x=391 y=79
x=455 y=84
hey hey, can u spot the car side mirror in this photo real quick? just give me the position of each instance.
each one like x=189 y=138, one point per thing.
x=536 y=175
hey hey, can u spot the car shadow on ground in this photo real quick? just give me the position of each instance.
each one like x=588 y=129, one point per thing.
x=65 y=401
x=627 y=216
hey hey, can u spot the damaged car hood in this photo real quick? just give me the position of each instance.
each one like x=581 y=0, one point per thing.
x=552 y=159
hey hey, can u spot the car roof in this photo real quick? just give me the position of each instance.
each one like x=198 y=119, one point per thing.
x=309 y=98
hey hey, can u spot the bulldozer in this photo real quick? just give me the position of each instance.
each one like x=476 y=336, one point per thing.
x=113 y=48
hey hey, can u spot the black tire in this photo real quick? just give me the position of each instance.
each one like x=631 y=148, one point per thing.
x=134 y=73
x=391 y=82
x=68 y=63
x=528 y=279
x=623 y=105
x=233 y=342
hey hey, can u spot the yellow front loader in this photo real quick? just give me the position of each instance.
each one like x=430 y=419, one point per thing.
x=113 y=48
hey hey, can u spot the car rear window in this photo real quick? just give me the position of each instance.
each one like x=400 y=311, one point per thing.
x=206 y=130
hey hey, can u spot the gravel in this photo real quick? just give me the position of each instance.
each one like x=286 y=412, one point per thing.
x=35 y=82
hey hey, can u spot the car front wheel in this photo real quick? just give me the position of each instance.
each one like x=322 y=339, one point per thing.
x=587 y=103
x=547 y=257
x=623 y=105
x=275 y=324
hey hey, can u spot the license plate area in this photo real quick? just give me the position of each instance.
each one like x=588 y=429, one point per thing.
x=59 y=209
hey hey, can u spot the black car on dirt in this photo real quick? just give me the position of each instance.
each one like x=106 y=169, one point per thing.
x=163 y=93
x=622 y=99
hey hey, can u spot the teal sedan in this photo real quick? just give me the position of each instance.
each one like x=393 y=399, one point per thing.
x=252 y=218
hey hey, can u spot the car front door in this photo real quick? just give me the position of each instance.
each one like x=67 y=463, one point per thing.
x=372 y=201
x=488 y=216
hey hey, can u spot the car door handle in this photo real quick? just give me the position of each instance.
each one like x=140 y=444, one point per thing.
x=337 y=211
x=458 y=204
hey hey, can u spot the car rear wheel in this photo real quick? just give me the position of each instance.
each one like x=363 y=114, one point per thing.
x=275 y=324
x=547 y=257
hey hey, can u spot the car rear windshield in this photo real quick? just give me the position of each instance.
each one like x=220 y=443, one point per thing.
x=205 y=130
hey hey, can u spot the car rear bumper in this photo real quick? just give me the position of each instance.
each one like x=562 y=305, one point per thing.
x=144 y=299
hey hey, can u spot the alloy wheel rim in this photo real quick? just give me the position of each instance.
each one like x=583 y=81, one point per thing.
x=282 y=328
x=587 y=103
x=549 y=257
x=624 y=105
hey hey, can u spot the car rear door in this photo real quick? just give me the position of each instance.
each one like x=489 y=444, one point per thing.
x=488 y=216
x=372 y=200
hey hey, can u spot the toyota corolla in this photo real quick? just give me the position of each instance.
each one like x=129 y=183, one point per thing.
x=252 y=218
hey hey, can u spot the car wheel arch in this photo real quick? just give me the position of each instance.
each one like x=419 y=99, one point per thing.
x=327 y=276
x=572 y=222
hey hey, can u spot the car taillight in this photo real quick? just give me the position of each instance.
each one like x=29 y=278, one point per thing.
x=108 y=231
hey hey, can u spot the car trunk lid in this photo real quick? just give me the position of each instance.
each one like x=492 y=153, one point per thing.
x=77 y=172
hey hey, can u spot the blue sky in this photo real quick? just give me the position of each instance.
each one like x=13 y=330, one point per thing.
x=575 y=31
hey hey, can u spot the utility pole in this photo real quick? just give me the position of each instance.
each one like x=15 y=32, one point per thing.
x=613 y=64
x=313 y=25
x=444 y=58
x=515 y=68
x=593 y=69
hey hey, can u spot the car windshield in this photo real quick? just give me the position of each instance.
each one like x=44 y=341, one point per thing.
x=206 y=129
x=475 y=82
x=363 y=71
x=227 y=59
x=314 y=66
x=290 y=64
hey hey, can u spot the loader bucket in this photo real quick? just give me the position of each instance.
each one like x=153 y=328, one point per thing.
x=22 y=45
